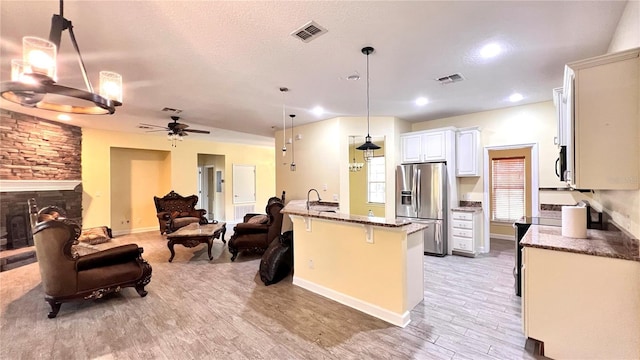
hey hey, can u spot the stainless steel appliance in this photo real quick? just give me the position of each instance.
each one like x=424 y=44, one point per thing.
x=421 y=196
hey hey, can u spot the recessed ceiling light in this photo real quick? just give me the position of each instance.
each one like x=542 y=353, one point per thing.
x=490 y=50
x=317 y=111
x=64 y=117
x=421 y=101
x=515 y=97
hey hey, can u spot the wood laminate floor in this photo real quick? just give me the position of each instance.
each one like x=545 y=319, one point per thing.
x=200 y=309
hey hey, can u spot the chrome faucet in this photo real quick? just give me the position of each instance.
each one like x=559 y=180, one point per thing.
x=308 y=193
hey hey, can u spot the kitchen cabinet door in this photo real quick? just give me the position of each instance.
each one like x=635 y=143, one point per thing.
x=468 y=153
x=435 y=146
x=411 y=148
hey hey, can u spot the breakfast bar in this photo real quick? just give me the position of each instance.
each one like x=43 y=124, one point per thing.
x=371 y=264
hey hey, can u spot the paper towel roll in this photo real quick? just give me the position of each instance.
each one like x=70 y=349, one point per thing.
x=574 y=222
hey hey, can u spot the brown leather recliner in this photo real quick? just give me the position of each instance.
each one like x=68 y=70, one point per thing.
x=69 y=277
x=257 y=230
x=175 y=211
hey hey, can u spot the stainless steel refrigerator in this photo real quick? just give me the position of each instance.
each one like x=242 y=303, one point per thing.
x=421 y=196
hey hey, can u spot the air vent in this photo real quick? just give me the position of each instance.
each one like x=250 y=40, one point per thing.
x=309 y=31
x=450 y=79
x=172 y=110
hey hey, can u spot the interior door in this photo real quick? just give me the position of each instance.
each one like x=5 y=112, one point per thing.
x=244 y=184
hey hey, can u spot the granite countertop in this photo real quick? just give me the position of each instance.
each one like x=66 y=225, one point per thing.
x=324 y=211
x=470 y=209
x=613 y=244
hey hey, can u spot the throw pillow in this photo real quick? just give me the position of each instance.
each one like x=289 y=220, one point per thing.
x=258 y=219
x=96 y=235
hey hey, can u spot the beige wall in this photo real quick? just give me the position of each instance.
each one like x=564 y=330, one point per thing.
x=96 y=170
x=525 y=124
x=139 y=177
x=623 y=206
x=322 y=157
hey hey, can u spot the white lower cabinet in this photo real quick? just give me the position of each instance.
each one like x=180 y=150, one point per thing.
x=465 y=231
x=581 y=306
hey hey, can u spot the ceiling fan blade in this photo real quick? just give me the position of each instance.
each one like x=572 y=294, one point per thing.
x=158 y=126
x=180 y=126
x=163 y=130
x=197 y=131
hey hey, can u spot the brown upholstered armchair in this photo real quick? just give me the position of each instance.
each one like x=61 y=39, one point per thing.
x=69 y=277
x=176 y=211
x=257 y=230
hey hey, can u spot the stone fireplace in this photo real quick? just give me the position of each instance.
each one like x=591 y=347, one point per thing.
x=39 y=159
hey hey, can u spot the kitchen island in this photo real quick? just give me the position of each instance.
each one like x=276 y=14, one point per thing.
x=371 y=264
x=581 y=297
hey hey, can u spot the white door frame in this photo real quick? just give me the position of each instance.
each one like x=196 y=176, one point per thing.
x=203 y=187
x=535 y=206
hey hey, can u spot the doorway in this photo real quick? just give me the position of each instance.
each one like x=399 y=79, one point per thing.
x=503 y=229
x=210 y=185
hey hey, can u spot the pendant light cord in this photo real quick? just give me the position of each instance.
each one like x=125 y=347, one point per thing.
x=368 y=95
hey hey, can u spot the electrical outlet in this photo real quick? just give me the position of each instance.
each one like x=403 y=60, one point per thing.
x=335 y=197
x=310 y=264
x=324 y=187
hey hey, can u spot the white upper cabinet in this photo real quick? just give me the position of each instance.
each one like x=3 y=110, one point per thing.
x=602 y=102
x=424 y=146
x=435 y=146
x=468 y=154
x=411 y=148
x=561 y=117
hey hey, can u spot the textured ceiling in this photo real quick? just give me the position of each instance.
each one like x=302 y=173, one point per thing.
x=223 y=62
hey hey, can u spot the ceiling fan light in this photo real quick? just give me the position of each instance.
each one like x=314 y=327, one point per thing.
x=111 y=85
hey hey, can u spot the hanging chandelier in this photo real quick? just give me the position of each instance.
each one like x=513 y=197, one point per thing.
x=33 y=78
x=368 y=147
x=284 y=123
x=354 y=166
x=292 y=167
x=174 y=137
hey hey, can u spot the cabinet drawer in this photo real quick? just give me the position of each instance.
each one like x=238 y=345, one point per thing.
x=462 y=233
x=462 y=244
x=461 y=224
x=462 y=215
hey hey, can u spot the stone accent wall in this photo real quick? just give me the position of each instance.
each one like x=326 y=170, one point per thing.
x=33 y=148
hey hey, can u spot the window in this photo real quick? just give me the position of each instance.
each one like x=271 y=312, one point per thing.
x=508 y=187
x=376 y=180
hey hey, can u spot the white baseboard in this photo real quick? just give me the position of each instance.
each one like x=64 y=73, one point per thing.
x=134 y=231
x=401 y=320
x=503 y=237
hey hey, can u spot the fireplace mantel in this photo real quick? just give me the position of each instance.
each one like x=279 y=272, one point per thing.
x=37 y=185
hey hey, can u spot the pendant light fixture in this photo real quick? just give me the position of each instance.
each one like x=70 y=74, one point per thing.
x=368 y=147
x=354 y=166
x=284 y=123
x=33 y=79
x=292 y=167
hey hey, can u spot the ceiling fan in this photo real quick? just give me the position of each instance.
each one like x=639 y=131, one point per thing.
x=174 y=128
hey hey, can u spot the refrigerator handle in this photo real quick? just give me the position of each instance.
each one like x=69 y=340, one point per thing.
x=414 y=187
x=438 y=234
x=418 y=191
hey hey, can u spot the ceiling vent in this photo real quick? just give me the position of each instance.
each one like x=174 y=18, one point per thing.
x=450 y=78
x=309 y=31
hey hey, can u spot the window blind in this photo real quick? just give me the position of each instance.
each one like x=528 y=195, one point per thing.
x=507 y=189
